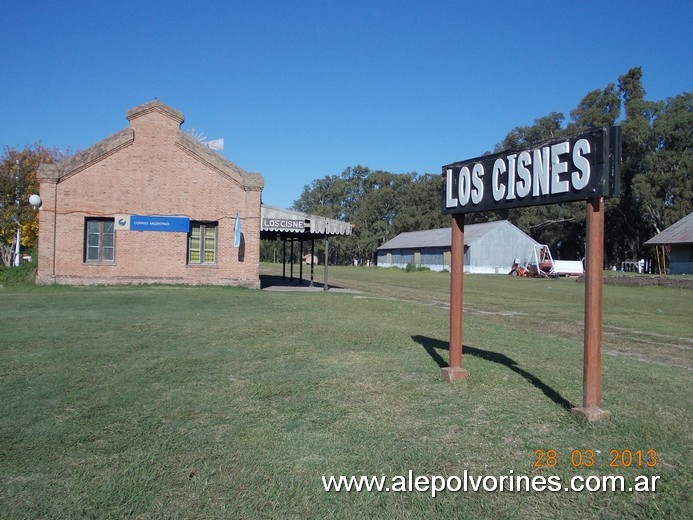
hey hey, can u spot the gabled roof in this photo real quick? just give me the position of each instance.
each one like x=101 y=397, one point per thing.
x=76 y=163
x=71 y=165
x=442 y=237
x=680 y=232
x=429 y=238
x=217 y=162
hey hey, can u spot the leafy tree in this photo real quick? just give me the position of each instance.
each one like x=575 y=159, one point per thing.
x=624 y=223
x=543 y=129
x=376 y=212
x=663 y=187
x=370 y=200
x=420 y=208
x=323 y=197
x=656 y=185
x=597 y=109
x=17 y=182
x=655 y=181
x=561 y=226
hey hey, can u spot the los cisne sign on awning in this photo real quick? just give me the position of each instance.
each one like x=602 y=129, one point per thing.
x=573 y=168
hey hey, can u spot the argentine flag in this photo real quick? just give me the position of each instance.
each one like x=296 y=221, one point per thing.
x=237 y=238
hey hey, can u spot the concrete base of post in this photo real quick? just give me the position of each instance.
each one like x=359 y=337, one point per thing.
x=451 y=374
x=591 y=414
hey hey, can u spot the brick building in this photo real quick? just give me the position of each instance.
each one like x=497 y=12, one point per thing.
x=150 y=204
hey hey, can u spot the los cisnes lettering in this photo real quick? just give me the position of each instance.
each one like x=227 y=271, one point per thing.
x=550 y=170
x=284 y=224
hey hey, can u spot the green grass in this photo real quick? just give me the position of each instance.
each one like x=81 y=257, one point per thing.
x=207 y=402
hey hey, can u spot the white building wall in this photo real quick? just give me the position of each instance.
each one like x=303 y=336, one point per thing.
x=495 y=251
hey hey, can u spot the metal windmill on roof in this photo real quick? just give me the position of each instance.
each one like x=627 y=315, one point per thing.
x=214 y=144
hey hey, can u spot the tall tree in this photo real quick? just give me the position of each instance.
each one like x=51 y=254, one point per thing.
x=626 y=225
x=597 y=109
x=17 y=182
x=663 y=187
x=543 y=129
x=655 y=181
x=420 y=206
x=370 y=200
x=561 y=226
x=323 y=197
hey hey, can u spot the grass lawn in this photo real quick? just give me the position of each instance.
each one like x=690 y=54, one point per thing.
x=216 y=402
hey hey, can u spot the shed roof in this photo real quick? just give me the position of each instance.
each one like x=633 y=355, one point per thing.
x=680 y=232
x=442 y=237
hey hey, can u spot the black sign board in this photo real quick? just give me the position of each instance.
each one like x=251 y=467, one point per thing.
x=577 y=167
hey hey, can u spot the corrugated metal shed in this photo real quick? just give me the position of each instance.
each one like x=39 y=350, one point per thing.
x=680 y=232
x=489 y=247
x=679 y=236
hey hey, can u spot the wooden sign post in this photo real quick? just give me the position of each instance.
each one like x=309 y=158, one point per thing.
x=455 y=370
x=594 y=275
x=581 y=167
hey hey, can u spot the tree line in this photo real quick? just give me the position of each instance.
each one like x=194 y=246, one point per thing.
x=656 y=184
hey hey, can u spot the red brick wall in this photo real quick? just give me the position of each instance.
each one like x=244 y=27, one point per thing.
x=154 y=175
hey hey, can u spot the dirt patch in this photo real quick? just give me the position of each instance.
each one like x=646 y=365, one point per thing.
x=646 y=280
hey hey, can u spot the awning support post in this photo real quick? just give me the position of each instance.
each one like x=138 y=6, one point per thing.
x=312 y=256
x=325 y=287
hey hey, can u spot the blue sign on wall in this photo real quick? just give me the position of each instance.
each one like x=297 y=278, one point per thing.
x=159 y=223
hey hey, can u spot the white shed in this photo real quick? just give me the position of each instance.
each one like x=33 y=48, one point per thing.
x=490 y=247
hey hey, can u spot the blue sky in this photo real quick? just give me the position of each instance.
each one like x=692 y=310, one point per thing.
x=303 y=89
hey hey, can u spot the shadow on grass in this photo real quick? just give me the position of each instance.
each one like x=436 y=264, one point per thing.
x=277 y=282
x=432 y=346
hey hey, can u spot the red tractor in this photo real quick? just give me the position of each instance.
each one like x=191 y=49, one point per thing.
x=540 y=264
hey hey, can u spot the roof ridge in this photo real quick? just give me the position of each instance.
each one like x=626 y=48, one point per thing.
x=473 y=232
x=155 y=106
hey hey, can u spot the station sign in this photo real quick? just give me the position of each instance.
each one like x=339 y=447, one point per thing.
x=283 y=224
x=577 y=167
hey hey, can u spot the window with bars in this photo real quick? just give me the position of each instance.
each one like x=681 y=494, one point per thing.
x=99 y=240
x=202 y=243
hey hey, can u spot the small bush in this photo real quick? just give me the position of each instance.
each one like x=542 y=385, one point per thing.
x=412 y=268
x=24 y=274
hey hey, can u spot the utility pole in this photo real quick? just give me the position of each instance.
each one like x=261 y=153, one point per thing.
x=17 y=203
